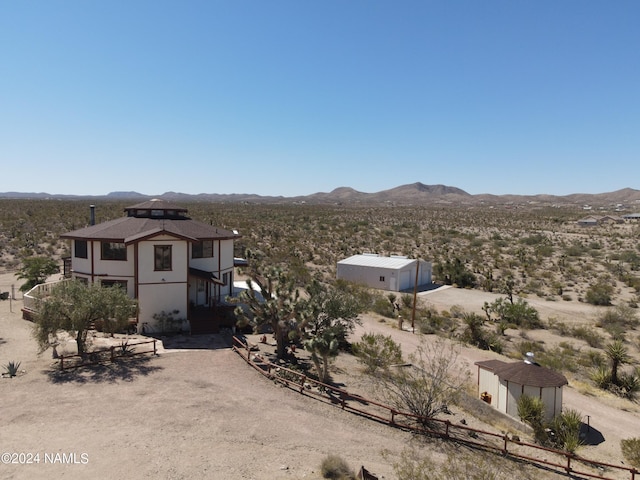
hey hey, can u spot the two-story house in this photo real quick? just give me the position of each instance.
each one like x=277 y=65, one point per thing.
x=174 y=266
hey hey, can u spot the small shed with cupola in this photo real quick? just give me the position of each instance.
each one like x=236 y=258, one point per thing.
x=501 y=384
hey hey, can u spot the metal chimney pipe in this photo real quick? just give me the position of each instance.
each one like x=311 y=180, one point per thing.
x=92 y=217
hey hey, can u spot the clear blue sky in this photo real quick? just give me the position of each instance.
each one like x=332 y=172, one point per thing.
x=293 y=97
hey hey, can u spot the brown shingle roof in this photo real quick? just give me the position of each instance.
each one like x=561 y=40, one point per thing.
x=130 y=229
x=524 y=373
x=156 y=204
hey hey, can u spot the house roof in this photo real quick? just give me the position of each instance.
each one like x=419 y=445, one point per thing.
x=205 y=275
x=157 y=204
x=131 y=229
x=524 y=373
x=370 y=260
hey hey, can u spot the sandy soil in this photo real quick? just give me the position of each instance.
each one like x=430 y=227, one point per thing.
x=198 y=411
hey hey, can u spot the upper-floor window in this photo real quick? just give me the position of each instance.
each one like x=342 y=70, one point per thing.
x=80 y=248
x=162 y=254
x=202 y=249
x=114 y=251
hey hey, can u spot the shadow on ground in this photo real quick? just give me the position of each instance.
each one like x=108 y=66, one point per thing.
x=121 y=370
x=195 y=342
x=590 y=435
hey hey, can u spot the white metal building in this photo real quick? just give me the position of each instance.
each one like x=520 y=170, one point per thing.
x=395 y=273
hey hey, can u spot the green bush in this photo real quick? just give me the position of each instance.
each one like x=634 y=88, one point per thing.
x=599 y=294
x=375 y=350
x=566 y=428
x=530 y=411
x=601 y=376
x=382 y=306
x=334 y=466
x=631 y=450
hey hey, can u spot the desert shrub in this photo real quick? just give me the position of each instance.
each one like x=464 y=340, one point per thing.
x=375 y=350
x=428 y=385
x=454 y=273
x=631 y=450
x=566 y=428
x=475 y=334
x=460 y=464
x=589 y=335
x=382 y=306
x=433 y=322
x=599 y=294
x=601 y=377
x=618 y=321
x=525 y=346
x=334 y=466
x=531 y=412
x=560 y=328
x=12 y=368
x=591 y=359
x=560 y=358
x=518 y=313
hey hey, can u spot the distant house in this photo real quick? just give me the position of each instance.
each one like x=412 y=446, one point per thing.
x=589 y=221
x=592 y=220
x=167 y=261
x=632 y=216
x=395 y=273
x=501 y=384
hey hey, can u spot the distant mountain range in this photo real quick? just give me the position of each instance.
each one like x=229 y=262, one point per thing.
x=412 y=194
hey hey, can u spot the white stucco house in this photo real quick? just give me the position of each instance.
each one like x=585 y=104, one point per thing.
x=501 y=384
x=161 y=257
x=394 y=273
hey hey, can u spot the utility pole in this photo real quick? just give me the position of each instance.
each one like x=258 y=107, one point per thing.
x=415 y=297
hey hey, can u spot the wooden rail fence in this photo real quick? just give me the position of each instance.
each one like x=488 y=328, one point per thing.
x=114 y=352
x=490 y=441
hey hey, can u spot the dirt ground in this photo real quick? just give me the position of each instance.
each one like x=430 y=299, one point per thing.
x=198 y=411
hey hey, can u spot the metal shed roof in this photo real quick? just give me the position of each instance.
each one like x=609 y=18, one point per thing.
x=377 y=261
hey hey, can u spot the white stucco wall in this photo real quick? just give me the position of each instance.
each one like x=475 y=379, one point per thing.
x=146 y=261
x=488 y=382
x=155 y=298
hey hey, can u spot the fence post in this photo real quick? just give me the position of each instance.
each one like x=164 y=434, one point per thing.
x=112 y=348
x=506 y=441
x=302 y=382
x=446 y=430
x=62 y=363
x=343 y=399
x=568 y=468
x=393 y=417
x=154 y=346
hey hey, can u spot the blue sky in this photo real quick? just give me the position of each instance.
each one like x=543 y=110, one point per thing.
x=293 y=97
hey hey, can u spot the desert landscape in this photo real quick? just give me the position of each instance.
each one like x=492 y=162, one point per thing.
x=196 y=410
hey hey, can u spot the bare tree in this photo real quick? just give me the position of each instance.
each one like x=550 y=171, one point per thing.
x=429 y=383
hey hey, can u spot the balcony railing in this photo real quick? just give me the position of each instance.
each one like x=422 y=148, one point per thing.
x=40 y=291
